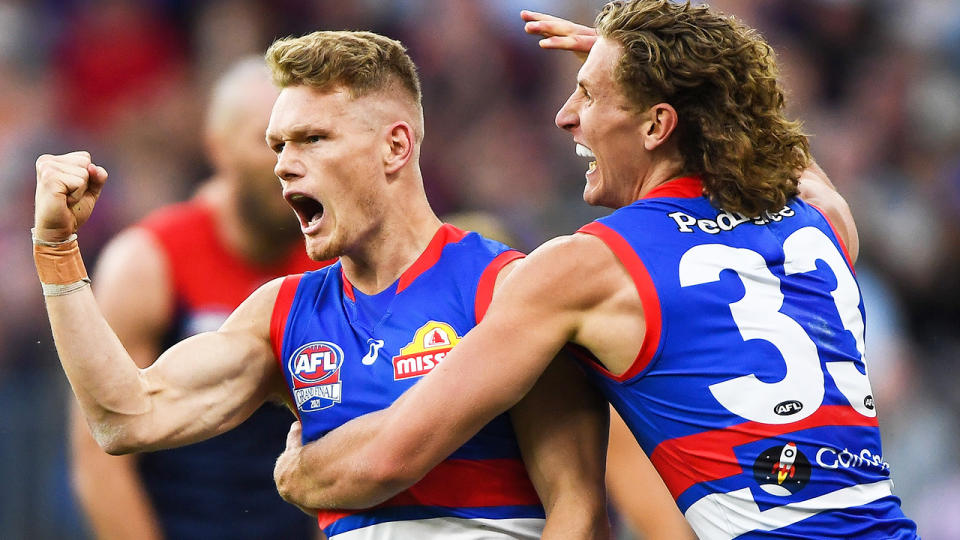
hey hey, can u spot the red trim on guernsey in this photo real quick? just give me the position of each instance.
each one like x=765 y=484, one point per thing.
x=488 y=281
x=446 y=234
x=648 y=297
x=347 y=286
x=281 y=309
x=843 y=246
x=460 y=483
x=686 y=187
x=706 y=456
x=278 y=323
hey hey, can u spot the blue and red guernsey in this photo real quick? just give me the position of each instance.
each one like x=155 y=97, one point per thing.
x=222 y=487
x=345 y=354
x=750 y=392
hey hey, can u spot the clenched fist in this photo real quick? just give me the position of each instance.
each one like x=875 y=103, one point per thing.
x=67 y=188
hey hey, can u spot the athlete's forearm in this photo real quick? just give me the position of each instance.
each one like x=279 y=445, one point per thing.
x=104 y=378
x=343 y=469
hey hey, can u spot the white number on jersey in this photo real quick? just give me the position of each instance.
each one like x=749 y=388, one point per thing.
x=758 y=316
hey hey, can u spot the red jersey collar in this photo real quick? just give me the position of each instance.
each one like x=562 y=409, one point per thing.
x=685 y=187
x=446 y=234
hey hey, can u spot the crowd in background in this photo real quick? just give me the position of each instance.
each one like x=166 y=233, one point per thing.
x=876 y=82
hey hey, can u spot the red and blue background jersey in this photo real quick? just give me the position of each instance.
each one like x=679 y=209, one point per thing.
x=222 y=487
x=345 y=354
x=750 y=391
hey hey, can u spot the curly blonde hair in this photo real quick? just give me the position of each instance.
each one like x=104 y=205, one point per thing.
x=721 y=77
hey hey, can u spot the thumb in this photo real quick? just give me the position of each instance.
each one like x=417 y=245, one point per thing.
x=98 y=176
x=294 y=435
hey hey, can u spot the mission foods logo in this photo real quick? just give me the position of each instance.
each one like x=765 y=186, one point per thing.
x=430 y=345
x=316 y=375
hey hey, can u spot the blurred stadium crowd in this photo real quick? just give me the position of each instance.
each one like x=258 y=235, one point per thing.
x=877 y=83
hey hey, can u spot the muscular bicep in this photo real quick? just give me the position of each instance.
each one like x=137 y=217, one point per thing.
x=211 y=382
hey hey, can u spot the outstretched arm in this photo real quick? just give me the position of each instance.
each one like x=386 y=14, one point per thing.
x=538 y=309
x=176 y=401
x=109 y=488
x=817 y=189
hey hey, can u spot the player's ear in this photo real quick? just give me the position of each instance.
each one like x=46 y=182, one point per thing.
x=399 y=147
x=661 y=121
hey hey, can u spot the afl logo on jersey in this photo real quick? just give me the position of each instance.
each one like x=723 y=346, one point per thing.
x=315 y=369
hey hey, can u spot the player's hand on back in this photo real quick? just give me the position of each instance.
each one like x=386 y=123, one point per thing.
x=560 y=33
x=68 y=186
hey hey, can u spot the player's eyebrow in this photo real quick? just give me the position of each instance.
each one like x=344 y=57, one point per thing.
x=295 y=132
x=583 y=84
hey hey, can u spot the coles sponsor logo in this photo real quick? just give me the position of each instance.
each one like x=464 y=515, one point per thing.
x=782 y=470
x=316 y=375
x=833 y=458
x=429 y=347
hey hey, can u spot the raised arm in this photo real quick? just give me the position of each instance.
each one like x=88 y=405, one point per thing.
x=559 y=34
x=108 y=487
x=538 y=309
x=199 y=388
x=817 y=189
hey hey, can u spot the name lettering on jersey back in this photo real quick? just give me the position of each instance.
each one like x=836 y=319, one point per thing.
x=726 y=221
x=429 y=347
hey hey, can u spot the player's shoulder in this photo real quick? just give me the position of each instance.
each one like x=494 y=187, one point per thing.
x=575 y=250
x=470 y=253
x=822 y=195
x=579 y=266
x=472 y=243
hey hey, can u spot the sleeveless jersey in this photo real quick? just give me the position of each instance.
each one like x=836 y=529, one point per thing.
x=344 y=354
x=750 y=392
x=222 y=487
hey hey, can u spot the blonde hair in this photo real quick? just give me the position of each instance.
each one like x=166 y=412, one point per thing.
x=360 y=62
x=721 y=77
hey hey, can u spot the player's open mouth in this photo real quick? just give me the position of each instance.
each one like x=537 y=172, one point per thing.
x=585 y=152
x=309 y=210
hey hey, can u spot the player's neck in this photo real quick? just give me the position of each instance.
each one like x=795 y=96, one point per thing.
x=388 y=252
x=659 y=172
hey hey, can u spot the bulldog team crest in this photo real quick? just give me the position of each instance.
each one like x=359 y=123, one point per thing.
x=430 y=345
x=316 y=375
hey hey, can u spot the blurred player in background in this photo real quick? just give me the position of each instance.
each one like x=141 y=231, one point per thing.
x=349 y=338
x=716 y=307
x=179 y=272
